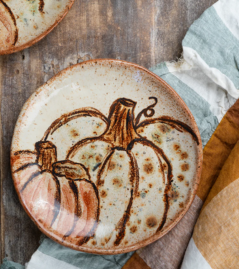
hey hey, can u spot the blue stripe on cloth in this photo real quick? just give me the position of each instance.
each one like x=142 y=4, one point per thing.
x=83 y=260
x=215 y=43
x=11 y=265
x=200 y=108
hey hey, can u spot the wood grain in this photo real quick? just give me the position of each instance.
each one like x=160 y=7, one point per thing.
x=145 y=32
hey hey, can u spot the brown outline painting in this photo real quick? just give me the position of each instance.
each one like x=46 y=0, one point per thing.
x=94 y=197
x=9 y=24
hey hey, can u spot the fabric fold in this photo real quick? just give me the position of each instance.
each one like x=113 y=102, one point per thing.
x=215 y=239
x=218 y=149
x=210 y=45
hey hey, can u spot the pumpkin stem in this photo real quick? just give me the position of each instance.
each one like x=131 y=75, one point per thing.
x=121 y=123
x=46 y=154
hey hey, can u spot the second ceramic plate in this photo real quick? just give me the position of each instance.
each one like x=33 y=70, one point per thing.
x=106 y=157
x=24 y=22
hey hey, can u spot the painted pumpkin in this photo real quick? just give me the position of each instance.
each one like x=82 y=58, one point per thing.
x=131 y=163
x=39 y=188
x=117 y=175
x=8 y=29
x=74 y=126
x=58 y=195
x=78 y=216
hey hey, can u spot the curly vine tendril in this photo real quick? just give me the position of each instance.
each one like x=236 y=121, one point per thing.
x=148 y=112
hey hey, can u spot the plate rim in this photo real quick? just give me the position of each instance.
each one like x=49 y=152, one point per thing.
x=41 y=36
x=154 y=237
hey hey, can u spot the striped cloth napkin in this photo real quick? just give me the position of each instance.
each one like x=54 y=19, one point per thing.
x=207 y=78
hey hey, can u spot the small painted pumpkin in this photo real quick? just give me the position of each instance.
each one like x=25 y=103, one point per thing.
x=8 y=29
x=39 y=188
x=58 y=195
x=78 y=216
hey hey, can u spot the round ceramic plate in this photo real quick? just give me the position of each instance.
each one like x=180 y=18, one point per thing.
x=106 y=157
x=24 y=22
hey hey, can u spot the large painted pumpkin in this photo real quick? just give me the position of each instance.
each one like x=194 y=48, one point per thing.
x=131 y=163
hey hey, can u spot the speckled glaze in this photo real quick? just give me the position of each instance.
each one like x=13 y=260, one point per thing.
x=106 y=157
x=24 y=22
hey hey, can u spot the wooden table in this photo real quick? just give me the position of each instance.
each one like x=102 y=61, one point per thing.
x=145 y=32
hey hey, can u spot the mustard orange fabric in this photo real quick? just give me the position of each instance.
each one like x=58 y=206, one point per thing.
x=216 y=233
x=218 y=149
x=228 y=174
x=135 y=262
